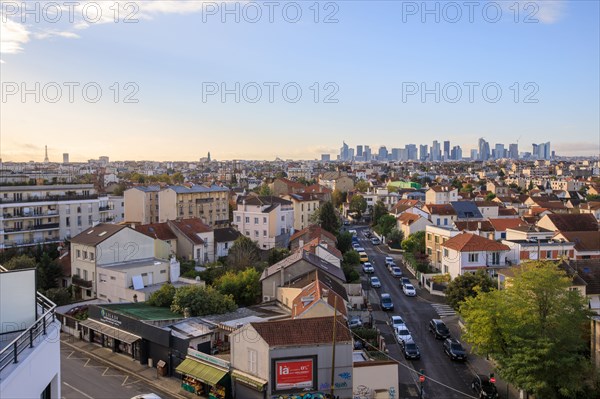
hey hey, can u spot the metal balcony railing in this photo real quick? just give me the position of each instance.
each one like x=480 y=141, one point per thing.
x=81 y=282
x=48 y=198
x=27 y=339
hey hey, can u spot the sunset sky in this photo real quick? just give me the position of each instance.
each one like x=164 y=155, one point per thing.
x=161 y=67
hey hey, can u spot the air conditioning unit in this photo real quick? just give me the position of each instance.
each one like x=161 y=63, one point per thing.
x=266 y=298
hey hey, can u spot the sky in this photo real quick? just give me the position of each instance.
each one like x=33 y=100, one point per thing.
x=173 y=80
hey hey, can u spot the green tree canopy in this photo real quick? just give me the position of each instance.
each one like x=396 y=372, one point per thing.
x=244 y=287
x=415 y=243
x=395 y=237
x=362 y=186
x=20 y=262
x=177 y=178
x=490 y=196
x=163 y=297
x=466 y=286
x=48 y=273
x=201 y=301
x=344 y=242
x=243 y=253
x=349 y=263
x=338 y=198
x=264 y=189
x=385 y=224
x=534 y=329
x=328 y=219
x=358 y=204
x=379 y=210
x=60 y=296
x=277 y=254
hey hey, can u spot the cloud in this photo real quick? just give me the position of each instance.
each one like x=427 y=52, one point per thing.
x=545 y=11
x=48 y=34
x=12 y=36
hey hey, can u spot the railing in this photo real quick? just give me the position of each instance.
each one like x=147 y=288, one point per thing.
x=47 y=240
x=10 y=354
x=104 y=208
x=81 y=282
x=49 y=198
x=30 y=215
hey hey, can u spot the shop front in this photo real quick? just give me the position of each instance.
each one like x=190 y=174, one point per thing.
x=206 y=375
x=247 y=386
x=110 y=337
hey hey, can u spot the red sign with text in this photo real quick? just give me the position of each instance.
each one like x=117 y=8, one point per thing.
x=291 y=374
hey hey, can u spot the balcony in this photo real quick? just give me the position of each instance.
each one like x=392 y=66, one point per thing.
x=81 y=282
x=30 y=215
x=28 y=243
x=104 y=208
x=50 y=198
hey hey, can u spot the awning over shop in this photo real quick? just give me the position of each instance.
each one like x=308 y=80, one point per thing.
x=249 y=379
x=201 y=371
x=112 y=332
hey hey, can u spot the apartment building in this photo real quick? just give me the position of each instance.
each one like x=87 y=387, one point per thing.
x=31 y=367
x=268 y=220
x=536 y=243
x=141 y=204
x=305 y=205
x=441 y=195
x=32 y=215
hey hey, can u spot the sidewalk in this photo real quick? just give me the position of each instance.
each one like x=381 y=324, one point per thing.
x=169 y=385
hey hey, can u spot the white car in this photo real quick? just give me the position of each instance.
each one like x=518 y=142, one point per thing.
x=368 y=267
x=355 y=322
x=389 y=259
x=402 y=335
x=396 y=321
x=409 y=290
x=146 y=396
x=375 y=283
x=359 y=249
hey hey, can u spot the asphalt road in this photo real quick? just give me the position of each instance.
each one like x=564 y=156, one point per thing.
x=452 y=379
x=86 y=378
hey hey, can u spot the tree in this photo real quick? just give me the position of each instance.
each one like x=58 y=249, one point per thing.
x=201 y=301
x=362 y=186
x=338 y=198
x=349 y=263
x=344 y=242
x=20 y=262
x=385 y=224
x=119 y=189
x=60 y=296
x=534 y=329
x=415 y=243
x=244 y=287
x=177 y=178
x=358 y=204
x=328 y=219
x=466 y=286
x=379 y=209
x=265 y=190
x=163 y=297
x=490 y=196
x=592 y=197
x=277 y=254
x=48 y=273
x=395 y=237
x=243 y=253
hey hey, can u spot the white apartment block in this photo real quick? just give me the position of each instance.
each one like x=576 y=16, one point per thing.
x=267 y=220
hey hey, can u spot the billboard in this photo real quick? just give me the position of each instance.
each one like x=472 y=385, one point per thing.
x=294 y=374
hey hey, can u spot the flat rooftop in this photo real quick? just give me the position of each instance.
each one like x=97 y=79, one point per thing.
x=142 y=311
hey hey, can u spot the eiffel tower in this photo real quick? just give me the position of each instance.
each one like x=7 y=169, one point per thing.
x=46 y=160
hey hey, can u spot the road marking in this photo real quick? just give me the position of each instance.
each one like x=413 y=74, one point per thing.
x=443 y=309
x=75 y=389
x=125 y=383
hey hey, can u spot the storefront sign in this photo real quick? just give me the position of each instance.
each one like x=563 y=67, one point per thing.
x=293 y=374
x=109 y=318
x=208 y=358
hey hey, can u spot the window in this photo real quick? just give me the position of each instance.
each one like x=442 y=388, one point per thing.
x=473 y=257
x=78 y=220
x=282 y=231
x=113 y=278
x=78 y=252
x=68 y=210
x=85 y=274
x=548 y=254
x=68 y=221
x=247 y=219
x=85 y=255
x=255 y=220
x=238 y=219
x=226 y=245
x=255 y=233
x=163 y=271
x=446 y=252
x=102 y=277
x=428 y=237
x=264 y=220
x=264 y=233
x=302 y=207
x=437 y=221
x=437 y=239
x=247 y=233
x=252 y=360
x=429 y=251
x=283 y=218
x=445 y=222
x=89 y=219
x=495 y=258
x=78 y=272
x=78 y=209
x=89 y=208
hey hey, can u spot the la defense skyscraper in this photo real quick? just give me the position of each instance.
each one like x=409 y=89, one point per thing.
x=484 y=150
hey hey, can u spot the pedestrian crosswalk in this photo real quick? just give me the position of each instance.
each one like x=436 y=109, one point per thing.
x=443 y=310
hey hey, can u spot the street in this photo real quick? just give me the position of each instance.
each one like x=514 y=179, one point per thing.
x=444 y=378
x=85 y=377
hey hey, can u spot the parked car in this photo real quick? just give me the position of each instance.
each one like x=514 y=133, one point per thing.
x=396 y=272
x=355 y=322
x=411 y=350
x=363 y=257
x=359 y=249
x=396 y=321
x=454 y=349
x=409 y=290
x=368 y=268
x=375 y=283
x=439 y=329
x=368 y=234
x=355 y=246
x=388 y=259
x=403 y=335
x=484 y=388
x=375 y=241
x=404 y=281
x=386 y=302
x=352 y=231
x=146 y=396
x=391 y=266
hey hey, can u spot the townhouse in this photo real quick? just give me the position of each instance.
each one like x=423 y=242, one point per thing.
x=268 y=220
x=305 y=205
x=441 y=194
x=467 y=252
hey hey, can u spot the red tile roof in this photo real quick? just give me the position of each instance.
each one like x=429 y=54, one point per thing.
x=190 y=228
x=584 y=240
x=313 y=231
x=408 y=218
x=466 y=242
x=502 y=224
x=311 y=331
x=314 y=292
x=162 y=231
x=574 y=222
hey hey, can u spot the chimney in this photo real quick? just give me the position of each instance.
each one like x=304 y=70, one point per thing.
x=301 y=243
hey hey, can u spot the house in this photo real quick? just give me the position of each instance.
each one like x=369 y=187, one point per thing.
x=282 y=186
x=292 y=267
x=317 y=300
x=102 y=245
x=324 y=251
x=501 y=224
x=290 y=292
x=195 y=240
x=435 y=236
x=570 y=222
x=267 y=220
x=587 y=243
x=441 y=215
x=498 y=188
x=308 y=234
x=165 y=241
x=292 y=357
x=224 y=239
x=305 y=205
x=592 y=207
x=577 y=282
x=467 y=252
x=337 y=181
x=535 y=243
x=489 y=209
x=441 y=195
x=409 y=223
x=467 y=210
x=589 y=271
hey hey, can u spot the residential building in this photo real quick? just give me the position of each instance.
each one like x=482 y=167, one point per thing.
x=32 y=215
x=283 y=186
x=305 y=205
x=587 y=243
x=441 y=195
x=592 y=207
x=102 y=245
x=293 y=357
x=209 y=204
x=337 y=181
x=224 y=239
x=141 y=204
x=318 y=300
x=409 y=223
x=535 y=243
x=195 y=240
x=30 y=344
x=469 y=252
x=435 y=236
x=311 y=233
x=268 y=220
x=569 y=222
x=441 y=215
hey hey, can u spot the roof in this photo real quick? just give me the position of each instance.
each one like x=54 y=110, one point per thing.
x=142 y=311
x=592 y=205
x=584 y=240
x=442 y=188
x=589 y=271
x=574 y=222
x=190 y=228
x=311 y=331
x=148 y=189
x=466 y=242
x=198 y=189
x=262 y=200
x=466 y=209
x=481 y=204
x=501 y=224
x=316 y=188
x=289 y=183
x=313 y=244
x=314 y=292
x=308 y=257
x=507 y=212
x=304 y=196
x=325 y=280
x=408 y=218
x=95 y=235
x=313 y=231
x=162 y=231
x=226 y=234
x=440 y=209
x=473 y=225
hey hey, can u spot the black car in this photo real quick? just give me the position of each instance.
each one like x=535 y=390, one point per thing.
x=484 y=388
x=411 y=350
x=403 y=281
x=439 y=329
x=454 y=349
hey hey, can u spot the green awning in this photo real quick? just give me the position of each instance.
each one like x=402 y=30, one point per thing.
x=203 y=372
